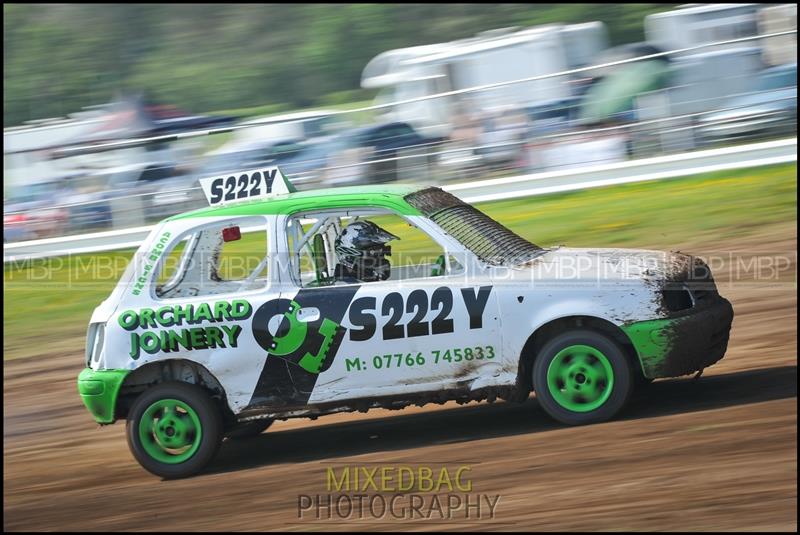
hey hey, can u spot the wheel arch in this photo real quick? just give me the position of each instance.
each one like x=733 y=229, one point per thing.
x=182 y=370
x=549 y=329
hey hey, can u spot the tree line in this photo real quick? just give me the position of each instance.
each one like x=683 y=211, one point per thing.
x=59 y=58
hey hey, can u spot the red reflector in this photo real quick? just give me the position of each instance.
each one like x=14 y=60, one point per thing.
x=231 y=234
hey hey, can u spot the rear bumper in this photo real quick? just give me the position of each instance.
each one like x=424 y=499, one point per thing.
x=684 y=344
x=98 y=390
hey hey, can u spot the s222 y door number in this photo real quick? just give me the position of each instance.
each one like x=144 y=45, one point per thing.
x=365 y=311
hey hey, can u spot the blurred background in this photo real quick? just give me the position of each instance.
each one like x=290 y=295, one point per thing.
x=112 y=113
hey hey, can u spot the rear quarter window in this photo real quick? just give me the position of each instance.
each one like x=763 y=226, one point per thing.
x=490 y=241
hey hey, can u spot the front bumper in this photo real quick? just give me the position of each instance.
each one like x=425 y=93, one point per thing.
x=684 y=344
x=98 y=390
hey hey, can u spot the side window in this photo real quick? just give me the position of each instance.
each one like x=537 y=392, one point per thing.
x=225 y=257
x=311 y=242
x=377 y=247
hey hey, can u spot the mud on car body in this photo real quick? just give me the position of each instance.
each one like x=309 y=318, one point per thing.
x=189 y=350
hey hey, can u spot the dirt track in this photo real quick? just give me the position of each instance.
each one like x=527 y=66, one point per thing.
x=718 y=454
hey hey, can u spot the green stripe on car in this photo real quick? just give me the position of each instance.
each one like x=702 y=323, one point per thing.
x=384 y=196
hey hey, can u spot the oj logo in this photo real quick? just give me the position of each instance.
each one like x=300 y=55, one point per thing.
x=283 y=328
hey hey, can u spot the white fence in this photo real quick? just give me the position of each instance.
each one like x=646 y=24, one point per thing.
x=661 y=167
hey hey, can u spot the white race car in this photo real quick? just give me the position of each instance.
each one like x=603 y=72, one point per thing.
x=274 y=304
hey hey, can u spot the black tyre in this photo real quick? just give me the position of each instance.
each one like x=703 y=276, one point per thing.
x=174 y=429
x=640 y=381
x=248 y=429
x=582 y=377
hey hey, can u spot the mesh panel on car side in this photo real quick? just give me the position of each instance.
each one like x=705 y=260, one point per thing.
x=489 y=240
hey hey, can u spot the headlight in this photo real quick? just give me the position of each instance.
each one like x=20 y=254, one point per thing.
x=94 y=343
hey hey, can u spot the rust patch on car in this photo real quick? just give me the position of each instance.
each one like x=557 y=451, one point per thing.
x=467 y=369
x=460 y=395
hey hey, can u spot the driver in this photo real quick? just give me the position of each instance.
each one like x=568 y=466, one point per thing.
x=362 y=251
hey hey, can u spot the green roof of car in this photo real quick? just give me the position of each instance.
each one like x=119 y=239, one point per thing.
x=382 y=196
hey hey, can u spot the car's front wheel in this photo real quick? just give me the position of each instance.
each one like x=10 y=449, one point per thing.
x=582 y=377
x=174 y=429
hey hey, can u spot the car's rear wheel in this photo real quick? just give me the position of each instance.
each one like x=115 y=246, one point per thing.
x=174 y=429
x=582 y=377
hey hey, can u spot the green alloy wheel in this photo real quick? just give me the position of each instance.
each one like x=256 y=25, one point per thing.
x=174 y=429
x=582 y=377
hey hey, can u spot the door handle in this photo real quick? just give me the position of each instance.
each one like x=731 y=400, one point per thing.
x=308 y=314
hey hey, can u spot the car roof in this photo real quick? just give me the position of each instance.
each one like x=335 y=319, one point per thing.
x=378 y=196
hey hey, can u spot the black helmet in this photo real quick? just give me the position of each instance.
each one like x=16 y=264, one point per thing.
x=361 y=248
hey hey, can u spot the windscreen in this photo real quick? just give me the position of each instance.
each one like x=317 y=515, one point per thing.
x=489 y=240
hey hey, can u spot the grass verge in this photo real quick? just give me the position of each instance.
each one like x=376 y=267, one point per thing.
x=47 y=304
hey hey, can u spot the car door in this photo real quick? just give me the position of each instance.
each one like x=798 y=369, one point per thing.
x=418 y=332
x=427 y=334
x=201 y=288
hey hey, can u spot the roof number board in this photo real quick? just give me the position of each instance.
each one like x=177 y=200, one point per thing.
x=245 y=185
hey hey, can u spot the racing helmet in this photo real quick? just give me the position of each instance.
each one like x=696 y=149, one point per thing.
x=362 y=251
